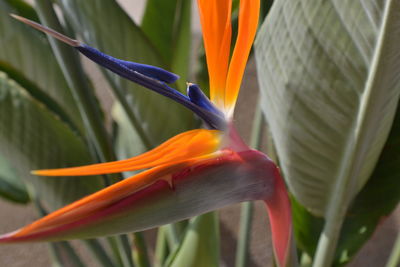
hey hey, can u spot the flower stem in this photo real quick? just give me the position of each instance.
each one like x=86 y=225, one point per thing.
x=121 y=249
x=394 y=259
x=57 y=251
x=246 y=212
x=140 y=251
x=98 y=251
x=161 y=251
x=242 y=251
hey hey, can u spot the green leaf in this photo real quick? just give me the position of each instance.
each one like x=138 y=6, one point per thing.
x=32 y=137
x=104 y=25
x=23 y=9
x=394 y=258
x=27 y=56
x=159 y=25
x=167 y=25
x=63 y=254
x=11 y=187
x=330 y=88
x=200 y=246
x=182 y=44
x=127 y=143
x=377 y=200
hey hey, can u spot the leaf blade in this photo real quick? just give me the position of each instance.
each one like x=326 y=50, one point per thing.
x=31 y=137
x=28 y=52
x=128 y=42
x=313 y=98
x=330 y=93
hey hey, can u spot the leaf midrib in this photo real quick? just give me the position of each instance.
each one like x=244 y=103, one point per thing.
x=345 y=184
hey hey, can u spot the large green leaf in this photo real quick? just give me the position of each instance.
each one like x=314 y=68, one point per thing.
x=330 y=86
x=23 y=9
x=167 y=24
x=376 y=201
x=25 y=53
x=104 y=25
x=32 y=137
x=11 y=187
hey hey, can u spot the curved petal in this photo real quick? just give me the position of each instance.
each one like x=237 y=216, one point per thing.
x=248 y=21
x=190 y=144
x=215 y=18
x=158 y=196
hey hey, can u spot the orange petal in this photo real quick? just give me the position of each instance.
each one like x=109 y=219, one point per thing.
x=215 y=18
x=186 y=145
x=248 y=21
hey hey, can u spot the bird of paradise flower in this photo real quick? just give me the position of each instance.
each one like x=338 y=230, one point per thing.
x=192 y=173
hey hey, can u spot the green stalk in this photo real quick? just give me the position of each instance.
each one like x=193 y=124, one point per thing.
x=125 y=246
x=83 y=94
x=172 y=236
x=247 y=208
x=99 y=253
x=121 y=97
x=56 y=252
x=56 y=248
x=140 y=254
x=161 y=251
x=394 y=259
x=242 y=250
x=121 y=249
x=168 y=240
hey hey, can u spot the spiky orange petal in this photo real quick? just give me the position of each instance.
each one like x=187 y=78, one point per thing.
x=248 y=21
x=186 y=145
x=215 y=18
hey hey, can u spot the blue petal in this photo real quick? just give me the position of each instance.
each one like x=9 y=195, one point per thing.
x=129 y=72
x=151 y=71
x=153 y=79
x=197 y=96
x=121 y=66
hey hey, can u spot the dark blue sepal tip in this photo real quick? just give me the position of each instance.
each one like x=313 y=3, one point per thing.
x=197 y=96
x=115 y=65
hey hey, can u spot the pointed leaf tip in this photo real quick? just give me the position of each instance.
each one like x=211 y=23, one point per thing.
x=53 y=33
